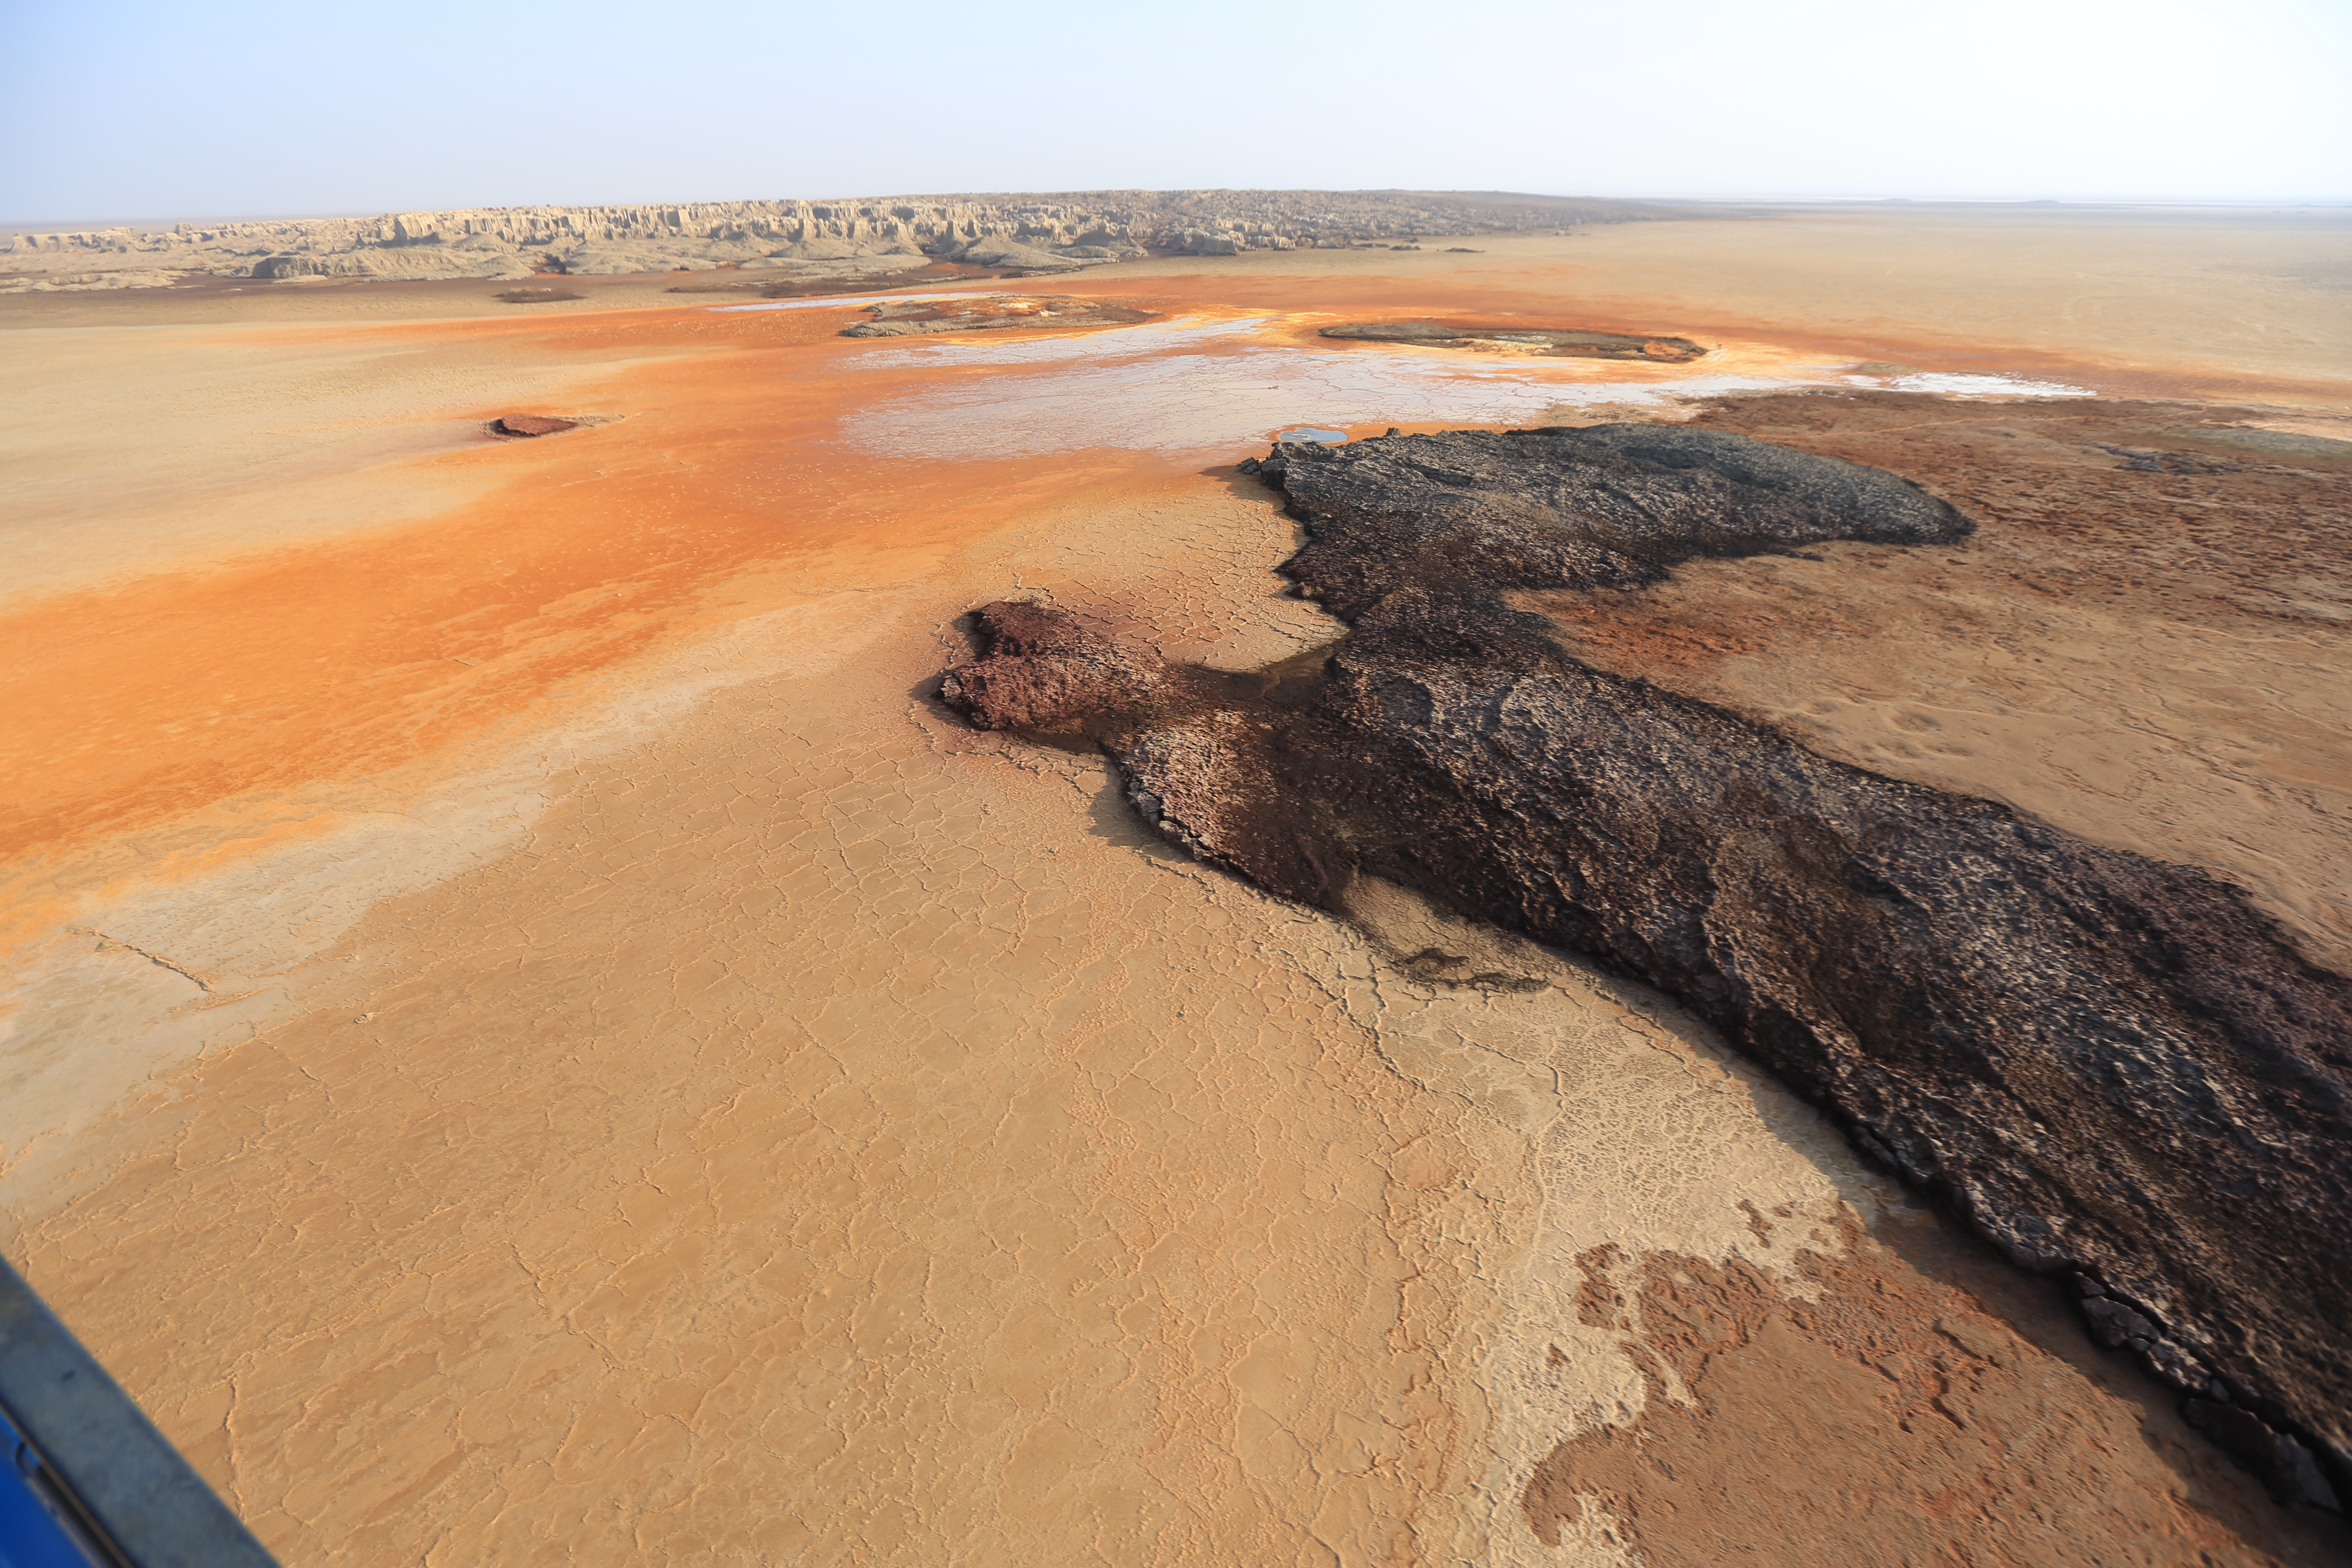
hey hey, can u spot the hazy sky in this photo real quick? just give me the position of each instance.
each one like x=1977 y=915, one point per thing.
x=142 y=109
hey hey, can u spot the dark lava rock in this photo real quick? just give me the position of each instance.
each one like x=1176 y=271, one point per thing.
x=529 y=424
x=1556 y=342
x=2110 y=1066
x=2286 y=1465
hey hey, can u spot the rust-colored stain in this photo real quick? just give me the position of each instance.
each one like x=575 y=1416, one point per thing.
x=131 y=705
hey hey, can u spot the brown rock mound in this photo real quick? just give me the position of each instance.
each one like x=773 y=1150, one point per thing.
x=526 y=424
x=1042 y=672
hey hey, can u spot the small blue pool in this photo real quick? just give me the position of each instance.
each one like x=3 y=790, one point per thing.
x=1311 y=432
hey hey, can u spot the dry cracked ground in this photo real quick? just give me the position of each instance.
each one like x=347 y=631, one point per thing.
x=534 y=1038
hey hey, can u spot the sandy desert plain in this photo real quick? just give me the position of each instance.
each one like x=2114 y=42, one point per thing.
x=533 y=1035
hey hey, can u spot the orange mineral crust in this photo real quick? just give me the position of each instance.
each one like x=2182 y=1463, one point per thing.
x=531 y=1035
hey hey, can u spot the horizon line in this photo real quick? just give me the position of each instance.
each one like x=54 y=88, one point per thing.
x=89 y=225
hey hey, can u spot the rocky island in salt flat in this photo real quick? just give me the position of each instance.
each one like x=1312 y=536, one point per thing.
x=2113 y=1068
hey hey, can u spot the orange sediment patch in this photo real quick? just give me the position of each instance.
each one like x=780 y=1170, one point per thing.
x=141 y=703
x=134 y=705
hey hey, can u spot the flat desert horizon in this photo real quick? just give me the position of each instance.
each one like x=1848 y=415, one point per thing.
x=538 y=1029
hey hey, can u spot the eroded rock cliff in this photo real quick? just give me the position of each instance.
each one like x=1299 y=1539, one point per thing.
x=1040 y=233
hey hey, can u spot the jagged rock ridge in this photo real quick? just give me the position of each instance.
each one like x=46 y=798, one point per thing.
x=2110 y=1066
x=1039 y=233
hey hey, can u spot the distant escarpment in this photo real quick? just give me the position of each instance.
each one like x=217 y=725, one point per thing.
x=1054 y=233
x=2110 y=1066
x=1557 y=343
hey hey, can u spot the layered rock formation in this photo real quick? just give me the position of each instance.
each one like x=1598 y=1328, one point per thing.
x=1042 y=233
x=2109 y=1065
x=987 y=313
x=1554 y=342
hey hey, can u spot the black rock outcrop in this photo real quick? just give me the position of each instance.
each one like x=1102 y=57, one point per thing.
x=2110 y=1066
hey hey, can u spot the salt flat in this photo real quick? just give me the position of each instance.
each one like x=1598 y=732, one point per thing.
x=533 y=1035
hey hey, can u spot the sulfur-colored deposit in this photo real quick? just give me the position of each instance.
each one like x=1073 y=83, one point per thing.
x=854 y=910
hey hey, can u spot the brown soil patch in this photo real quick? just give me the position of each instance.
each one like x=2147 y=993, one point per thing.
x=1891 y=1417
